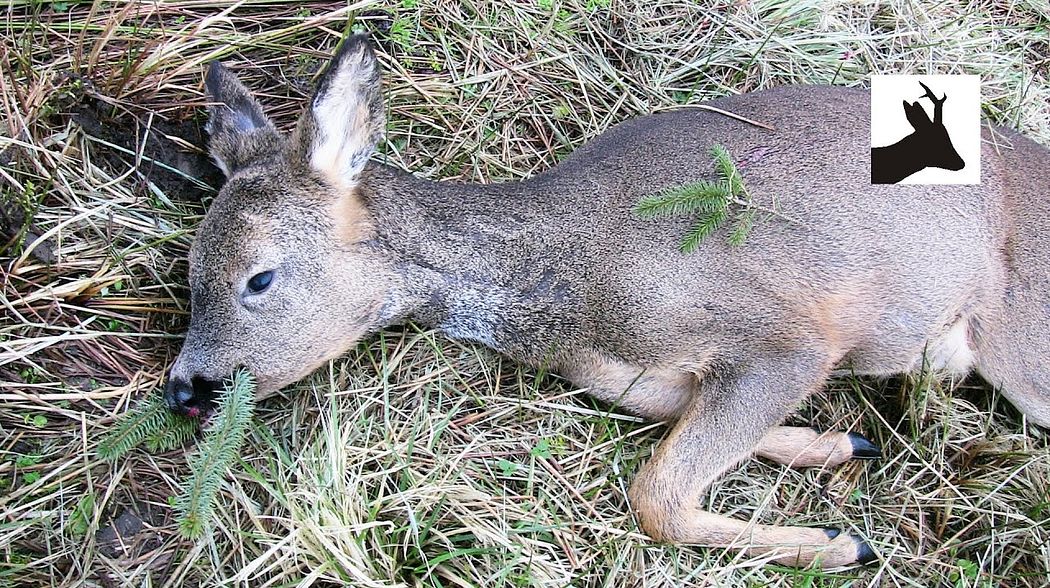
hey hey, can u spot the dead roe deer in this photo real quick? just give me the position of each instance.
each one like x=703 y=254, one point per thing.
x=929 y=146
x=311 y=246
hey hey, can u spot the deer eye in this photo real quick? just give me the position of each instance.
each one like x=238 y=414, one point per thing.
x=258 y=283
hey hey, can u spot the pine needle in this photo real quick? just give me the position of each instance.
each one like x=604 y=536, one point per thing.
x=712 y=200
x=704 y=227
x=220 y=447
x=150 y=422
x=175 y=434
x=723 y=162
x=703 y=196
x=744 y=221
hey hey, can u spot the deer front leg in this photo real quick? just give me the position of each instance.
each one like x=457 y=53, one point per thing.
x=729 y=416
x=803 y=447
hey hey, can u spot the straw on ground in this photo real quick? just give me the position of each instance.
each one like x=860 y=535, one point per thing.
x=415 y=461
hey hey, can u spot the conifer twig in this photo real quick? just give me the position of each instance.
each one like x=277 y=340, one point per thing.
x=704 y=227
x=215 y=453
x=744 y=221
x=153 y=423
x=703 y=196
x=713 y=201
x=150 y=422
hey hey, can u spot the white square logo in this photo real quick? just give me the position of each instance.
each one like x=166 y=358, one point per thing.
x=926 y=129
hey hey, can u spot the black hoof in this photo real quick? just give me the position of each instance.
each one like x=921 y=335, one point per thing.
x=864 y=449
x=865 y=554
x=832 y=533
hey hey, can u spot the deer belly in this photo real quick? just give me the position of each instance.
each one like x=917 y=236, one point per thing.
x=950 y=350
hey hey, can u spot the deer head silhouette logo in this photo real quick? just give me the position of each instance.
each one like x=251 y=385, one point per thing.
x=928 y=146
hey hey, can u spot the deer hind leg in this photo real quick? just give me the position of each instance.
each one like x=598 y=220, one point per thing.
x=803 y=447
x=1012 y=337
x=1011 y=354
x=653 y=394
x=725 y=422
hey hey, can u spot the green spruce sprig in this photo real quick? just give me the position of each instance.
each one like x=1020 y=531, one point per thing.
x=152 y=423
x=215 y=454
x=713 y=202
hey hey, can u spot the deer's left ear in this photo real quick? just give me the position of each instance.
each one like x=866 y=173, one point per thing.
x=917 y=116
x=344 y=121
x=239 y=132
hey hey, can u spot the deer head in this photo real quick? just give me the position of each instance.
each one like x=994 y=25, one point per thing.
x=282 y=277
x=931 y=136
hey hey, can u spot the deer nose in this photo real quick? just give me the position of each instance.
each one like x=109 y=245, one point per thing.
x=193 y=397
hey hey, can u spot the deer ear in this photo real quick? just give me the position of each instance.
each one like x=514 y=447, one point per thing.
x=239 y=131
x=917 y=117
x=344 y=121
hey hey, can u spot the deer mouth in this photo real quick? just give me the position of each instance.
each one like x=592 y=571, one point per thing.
x=193 y=398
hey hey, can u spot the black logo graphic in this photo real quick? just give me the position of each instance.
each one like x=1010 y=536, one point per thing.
x=928 y=146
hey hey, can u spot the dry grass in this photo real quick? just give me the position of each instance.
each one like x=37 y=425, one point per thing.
x=416 y=461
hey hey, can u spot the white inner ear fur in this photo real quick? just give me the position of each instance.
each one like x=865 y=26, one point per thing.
x=344 y=139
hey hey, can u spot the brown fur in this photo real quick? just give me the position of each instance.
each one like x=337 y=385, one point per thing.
x=558 y=271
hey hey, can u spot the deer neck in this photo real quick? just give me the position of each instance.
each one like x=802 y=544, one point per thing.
x=465 y=260
x=905 y=157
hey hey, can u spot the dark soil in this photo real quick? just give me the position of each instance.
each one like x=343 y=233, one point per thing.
x=154 y=140
x=157 y=141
